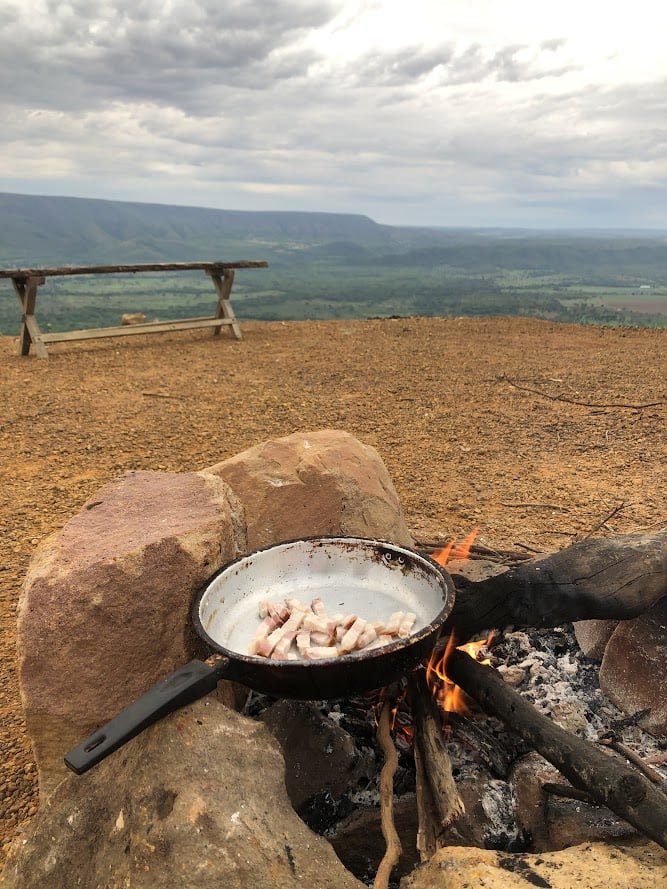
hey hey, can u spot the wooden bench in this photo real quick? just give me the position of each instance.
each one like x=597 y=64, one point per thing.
x=27 y=281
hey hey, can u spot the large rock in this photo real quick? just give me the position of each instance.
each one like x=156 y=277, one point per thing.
x=320 y=756
x=314 y=483
x=105 y=610
x=550 y=823
x=593 y=635
x=590 y=866
x=633 y=674
x=197 y=801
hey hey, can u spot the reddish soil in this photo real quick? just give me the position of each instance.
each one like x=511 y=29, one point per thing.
x=463 y=445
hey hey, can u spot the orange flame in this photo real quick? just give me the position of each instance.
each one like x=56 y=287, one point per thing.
x=454 y=550
x=448 y=695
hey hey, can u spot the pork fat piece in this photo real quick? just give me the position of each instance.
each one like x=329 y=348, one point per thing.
x=295 y=631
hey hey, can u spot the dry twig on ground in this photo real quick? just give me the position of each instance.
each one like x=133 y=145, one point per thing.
x=612 y=404
x=389 y=832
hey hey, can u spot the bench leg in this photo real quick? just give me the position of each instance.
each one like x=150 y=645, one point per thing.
x=223 y=286
x=26 y=293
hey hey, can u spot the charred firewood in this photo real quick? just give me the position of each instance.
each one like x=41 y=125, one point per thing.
x=615 y=578
x=608 y=780
x=496 y=753
x=438 y=801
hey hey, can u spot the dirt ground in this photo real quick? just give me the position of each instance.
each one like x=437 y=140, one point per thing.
x=464 y=446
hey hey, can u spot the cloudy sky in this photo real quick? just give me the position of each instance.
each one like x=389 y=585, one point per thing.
x=433 y=112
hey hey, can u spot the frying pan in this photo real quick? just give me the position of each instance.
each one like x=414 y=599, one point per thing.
x=350 y=574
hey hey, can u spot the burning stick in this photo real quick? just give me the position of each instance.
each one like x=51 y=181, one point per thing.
x=609 y=781
x=438 y=801
x=613 y=578
x=389 y=833
x=567 y=792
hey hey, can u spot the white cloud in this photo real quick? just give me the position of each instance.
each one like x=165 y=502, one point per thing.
x=470 y=111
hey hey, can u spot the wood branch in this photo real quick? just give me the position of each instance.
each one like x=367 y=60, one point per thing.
x=427 y=815
x=609 y=781
x=634 y=758
x=58 y=271
x=614 y=578
x=602 y=523
x=610 y=404
x=567 y=792
x=393 y=843
x=438 y=801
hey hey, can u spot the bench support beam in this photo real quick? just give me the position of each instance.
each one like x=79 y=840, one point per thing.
x=26 y=293
x=223 y=286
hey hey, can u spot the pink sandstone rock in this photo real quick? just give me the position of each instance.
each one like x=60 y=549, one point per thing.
x=307 y=484
x=633 y=673
x=593 y=635
x=554 y=823
x=105 y=611
x=197 y=801
x=588 y=866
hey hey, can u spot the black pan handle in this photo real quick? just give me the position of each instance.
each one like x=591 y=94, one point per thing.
x=186 y=685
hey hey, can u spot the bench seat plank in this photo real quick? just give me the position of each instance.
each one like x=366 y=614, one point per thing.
x=142 y=267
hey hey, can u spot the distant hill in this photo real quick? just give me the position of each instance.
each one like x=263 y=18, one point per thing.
x=41 y=229
x=325 y=265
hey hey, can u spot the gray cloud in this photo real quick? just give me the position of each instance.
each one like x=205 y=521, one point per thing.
x=400 y=67
x=471 y=64
x=91 y=54
x=235 y=106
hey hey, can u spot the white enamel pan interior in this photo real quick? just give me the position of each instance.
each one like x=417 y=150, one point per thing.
x=351 y=575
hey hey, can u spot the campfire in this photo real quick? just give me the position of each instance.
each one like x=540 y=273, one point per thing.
x=454 y=734
x=294 y=647
x=453 y=715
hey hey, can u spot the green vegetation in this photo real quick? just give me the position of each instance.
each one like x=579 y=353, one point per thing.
x=323 y=266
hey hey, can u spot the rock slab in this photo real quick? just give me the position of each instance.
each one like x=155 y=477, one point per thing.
x=197 y=801
x=589 y=866
x=633 y=674
x=320 y=756
x=552 y=823
x=312 y=484
x=105 y=611
x=593 y=635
